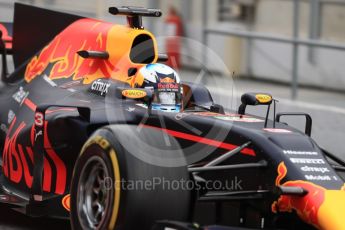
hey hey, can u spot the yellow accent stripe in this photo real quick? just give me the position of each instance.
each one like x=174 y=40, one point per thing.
x=104 y=144
x=117 y=187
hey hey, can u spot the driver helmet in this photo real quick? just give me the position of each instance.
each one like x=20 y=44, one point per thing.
x=165 y=82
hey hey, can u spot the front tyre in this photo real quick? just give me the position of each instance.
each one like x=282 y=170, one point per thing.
x=99 y=199
x=94 y=204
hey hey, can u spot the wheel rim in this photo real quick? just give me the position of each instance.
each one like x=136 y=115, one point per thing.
x=93 y=196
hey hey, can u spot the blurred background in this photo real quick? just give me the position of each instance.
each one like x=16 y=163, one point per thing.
x=293 y=49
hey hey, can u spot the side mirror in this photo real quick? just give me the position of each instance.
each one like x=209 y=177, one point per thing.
x=254 y=99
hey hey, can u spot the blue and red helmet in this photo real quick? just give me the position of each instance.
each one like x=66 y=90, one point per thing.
x=166 y=85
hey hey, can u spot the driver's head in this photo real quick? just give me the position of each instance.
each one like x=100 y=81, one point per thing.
x=166 y=85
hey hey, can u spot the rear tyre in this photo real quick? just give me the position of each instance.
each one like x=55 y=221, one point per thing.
x=112 y=189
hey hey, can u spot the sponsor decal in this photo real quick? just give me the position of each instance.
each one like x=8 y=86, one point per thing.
x=61 y=58
x=206 y=114
x=293 y=152
x=239 y=119
x=66 y=202
x=70 y=84
x=180 y=116
x=20 y=95
x=166 y=80
x=277 y=130
x=10 y=116
x=130 y=109
x=320 y=207
x=38 y=134
x=103 y=143
x=142 y=105
x=318 y=177
x=170 y=87
x=17 y=159
x=314 y=169
x=307 y=161
x=133 y=93
x=100 y=86
x=307 y=206
x=212 y=114
x=263 y=98
x=282 y=171
x=225 y=117
x=39 y=119
x=49 y=81
x=319 y=172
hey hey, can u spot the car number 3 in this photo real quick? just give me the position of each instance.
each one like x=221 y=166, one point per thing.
x=39 y=119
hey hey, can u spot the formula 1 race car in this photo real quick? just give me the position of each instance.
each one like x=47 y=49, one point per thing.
x=94 y=128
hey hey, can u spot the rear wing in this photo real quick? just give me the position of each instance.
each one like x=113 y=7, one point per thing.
x=32 y=33
x=28 y=35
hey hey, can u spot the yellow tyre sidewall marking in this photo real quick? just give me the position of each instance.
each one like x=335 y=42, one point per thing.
x=104 y=144
x=117 y=189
